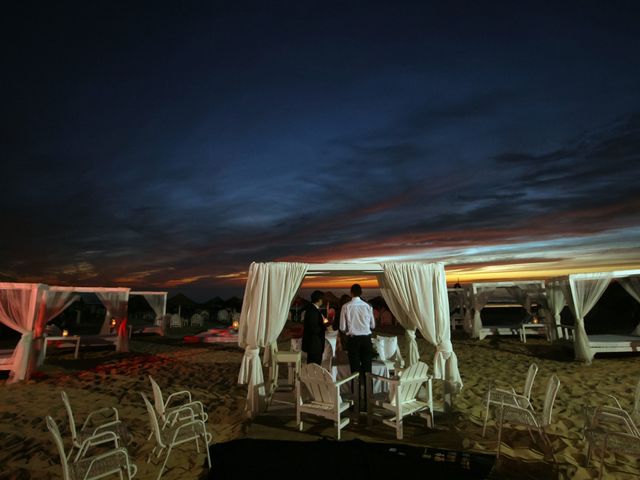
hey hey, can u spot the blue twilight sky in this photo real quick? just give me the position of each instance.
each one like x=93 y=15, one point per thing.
x=168 y=146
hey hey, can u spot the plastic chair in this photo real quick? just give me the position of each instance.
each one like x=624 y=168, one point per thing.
x=114 y=461
x=110 y=422
x=499 y=396
x=176 y=430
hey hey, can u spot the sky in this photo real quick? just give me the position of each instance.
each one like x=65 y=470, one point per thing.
x=169 y=146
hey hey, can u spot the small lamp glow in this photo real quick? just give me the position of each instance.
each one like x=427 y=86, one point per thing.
x=535 y=320
x=113 y=322
x=65 y=333
x=235 y=325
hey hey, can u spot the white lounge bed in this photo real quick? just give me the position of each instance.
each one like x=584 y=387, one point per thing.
x=614 y=343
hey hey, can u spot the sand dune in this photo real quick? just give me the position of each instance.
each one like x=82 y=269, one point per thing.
x=104 y=378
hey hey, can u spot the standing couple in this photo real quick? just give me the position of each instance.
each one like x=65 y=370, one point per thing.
x=356 y=321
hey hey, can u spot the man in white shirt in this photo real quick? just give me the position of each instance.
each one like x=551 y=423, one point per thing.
x=356 y=321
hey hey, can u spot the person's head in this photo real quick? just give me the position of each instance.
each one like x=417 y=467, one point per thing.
x=316 y=297
x=356 y=290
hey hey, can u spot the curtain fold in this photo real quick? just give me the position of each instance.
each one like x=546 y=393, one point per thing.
x=584 y=294
x=480 y=299
x=632 y=286
x=418 y=293
x=56 y=302
x=19 y=309
x=116 y=303
x=268 y=294
x=158 y=304
x=555 y=303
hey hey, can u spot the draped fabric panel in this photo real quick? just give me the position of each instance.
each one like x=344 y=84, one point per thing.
x=632 y=286
x=20 y=306
x=418 y=293
x=398 y=312
x=269 y=292
x=521 y=296
x=56 y=303
x=555 y=304
x=585 y=293
x=116 y=303
x=157 y=302
x=480 y=299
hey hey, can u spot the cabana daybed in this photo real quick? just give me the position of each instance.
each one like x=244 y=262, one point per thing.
x=581 y=291
x=523 y=292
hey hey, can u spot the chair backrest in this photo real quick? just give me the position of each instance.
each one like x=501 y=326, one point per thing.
x=72 y=421
x=528 y=384
x=550 y=397
x=153 y=420
x=55 y=431
x=196 y=320
x=411 y=379
x=158 y=401
x=320 y=384
x=175 y=320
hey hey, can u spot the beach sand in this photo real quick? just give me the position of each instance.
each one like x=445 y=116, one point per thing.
x=103 y=378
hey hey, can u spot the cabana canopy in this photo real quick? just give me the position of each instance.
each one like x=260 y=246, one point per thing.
x=522 y=291
x=416 y=294
x=22 y=306
x=115 y=301
x=581 y=291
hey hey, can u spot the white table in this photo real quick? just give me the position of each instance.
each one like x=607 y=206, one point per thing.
x=534 y=327
x=72 y=339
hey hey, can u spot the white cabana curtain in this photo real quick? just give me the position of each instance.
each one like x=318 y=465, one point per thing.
x=521 y=295
x=480 y=299
x=18 y=308
x=56 y=303
x=157 y=302
x=632 y=286
x=555 y=304
x=268 y=295
x=584 y=294
x=116 y=303
x=419 y=293
x=398 y=312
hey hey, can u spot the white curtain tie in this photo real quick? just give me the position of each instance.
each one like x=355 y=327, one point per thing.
x=444 y=347
x=251 y=356
x=411 y=334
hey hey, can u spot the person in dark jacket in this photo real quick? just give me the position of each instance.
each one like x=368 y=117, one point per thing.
x=315 y=325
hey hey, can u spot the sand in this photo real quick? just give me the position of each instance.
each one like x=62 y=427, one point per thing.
x=102 y=378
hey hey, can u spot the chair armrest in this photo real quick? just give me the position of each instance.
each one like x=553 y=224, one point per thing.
x=103 y=412
x=610 y=397
x=105 y=427
x=97 y=439
x=176 y=415
x=392 y=380
x=176 y=395
x=348 y=379
x=192 y=423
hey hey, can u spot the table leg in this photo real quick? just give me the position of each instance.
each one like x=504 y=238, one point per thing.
x=77 y=348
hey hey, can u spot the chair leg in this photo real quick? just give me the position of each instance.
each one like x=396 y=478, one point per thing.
x=338 y=430
x=486 y=418
x=164 y=464
x=206 y=444
x=589 y=451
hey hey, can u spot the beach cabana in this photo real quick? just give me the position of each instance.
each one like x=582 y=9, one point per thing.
x=523 y=292
x=581 y=291
x=22 y=307
x=158 y=303
x=416 y=294
x=115 y=301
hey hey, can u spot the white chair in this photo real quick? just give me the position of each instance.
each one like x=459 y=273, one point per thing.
x=292 y=359
x=498 y=396
x=388 y=352
x=97 y=422
x=402 y=398
x=323 y=399
x=108 y=463
x=611 y=429
x=175 y=321
x=197 y=320
x=177 y=401
x=526 y=416
x=176 y=430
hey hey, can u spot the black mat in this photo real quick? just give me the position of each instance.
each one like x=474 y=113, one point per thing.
x=332 y=460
